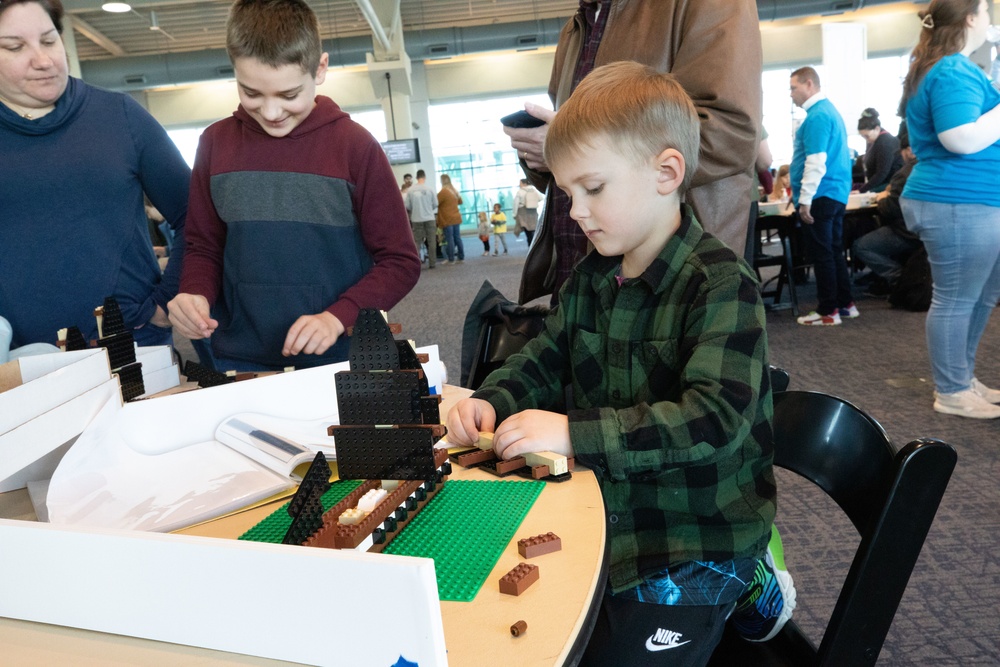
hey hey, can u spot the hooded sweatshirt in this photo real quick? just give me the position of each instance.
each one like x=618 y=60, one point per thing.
x=284 y=227
x=73 y=228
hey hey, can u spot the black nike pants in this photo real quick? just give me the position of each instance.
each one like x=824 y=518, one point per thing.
x=629 y=632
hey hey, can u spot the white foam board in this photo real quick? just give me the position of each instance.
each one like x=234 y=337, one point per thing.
x=307 y=605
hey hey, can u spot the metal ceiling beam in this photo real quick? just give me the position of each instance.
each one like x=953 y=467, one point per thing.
x=97 y=37
x=378 y=30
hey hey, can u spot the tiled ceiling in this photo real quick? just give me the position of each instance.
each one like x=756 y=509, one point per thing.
x=194 y=26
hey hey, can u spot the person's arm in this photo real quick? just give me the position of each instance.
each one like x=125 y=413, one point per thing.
x=718 y=61
x=205 y=240
x=721 y=365
x=956 y=101
x=385 y=232
x=764 y=157
x=164 y=177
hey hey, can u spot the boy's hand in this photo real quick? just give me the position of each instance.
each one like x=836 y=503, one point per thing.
x=533 y=431
x=191 y=316
x=312 y=334
x=528 y=142
x=467 y=418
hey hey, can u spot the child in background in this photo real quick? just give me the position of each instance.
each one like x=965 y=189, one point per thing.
x=660 y=332
x=782 y=185
x=287 y=239
x=484 y=233
x=499 y=221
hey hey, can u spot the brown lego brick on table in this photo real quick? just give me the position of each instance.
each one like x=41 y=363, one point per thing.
x=518 y=629
x=510 y=465
x=517 y=580
x=539 y=472
x=539 y=545
x=468 y=458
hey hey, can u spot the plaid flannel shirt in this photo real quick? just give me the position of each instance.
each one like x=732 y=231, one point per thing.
x=670 y=379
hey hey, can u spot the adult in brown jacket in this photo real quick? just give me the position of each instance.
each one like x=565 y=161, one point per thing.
x=450 y=220
x=713 y=49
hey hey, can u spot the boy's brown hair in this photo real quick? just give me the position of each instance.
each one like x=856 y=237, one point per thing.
x=641 y=111
x=275 y=32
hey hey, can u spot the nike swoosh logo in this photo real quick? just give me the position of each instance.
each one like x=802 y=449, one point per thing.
x=650 y=646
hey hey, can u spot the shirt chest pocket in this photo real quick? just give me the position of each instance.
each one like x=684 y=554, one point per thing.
x=654 y=371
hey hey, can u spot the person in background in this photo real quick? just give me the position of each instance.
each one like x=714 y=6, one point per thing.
x=782 y=185
x=821 y=182
x=288 y=240
x=74 y=163
x=450 y=220
x=882 y=159
x=422 y=206
x=526 y=202
x=407 y=182
x=499 y=222
x=713 y=48
x=485 y=230
x=679 y=434
x=885 y=250
x=952 y=198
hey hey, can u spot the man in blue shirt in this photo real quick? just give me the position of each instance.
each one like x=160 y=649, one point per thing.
x=821 y=182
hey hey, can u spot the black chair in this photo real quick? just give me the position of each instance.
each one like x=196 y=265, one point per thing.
x=890 y=496
x=779 y=378
x=783 y=226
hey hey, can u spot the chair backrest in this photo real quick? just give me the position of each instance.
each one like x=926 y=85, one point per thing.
x=891 y=498
x=779 y=378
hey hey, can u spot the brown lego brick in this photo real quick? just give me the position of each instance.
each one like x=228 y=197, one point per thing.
x=472 y=457
x=538 y=472
x=517 y=580
x=510 y=465
x=539 y=545
x=518 y=629
x=570 y=461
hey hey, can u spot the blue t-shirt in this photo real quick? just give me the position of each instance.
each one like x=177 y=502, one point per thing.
x=954 y=92
x=823 y=132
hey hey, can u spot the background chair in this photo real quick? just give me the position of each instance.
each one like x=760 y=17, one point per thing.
x=890 y=497
x=783 y=225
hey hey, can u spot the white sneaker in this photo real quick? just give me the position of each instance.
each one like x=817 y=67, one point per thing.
x=443 y=262
x=814 y=319
x=989 y=395
x=966 y=403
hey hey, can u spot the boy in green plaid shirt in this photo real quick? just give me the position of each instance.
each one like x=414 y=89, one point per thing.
x=660 y=333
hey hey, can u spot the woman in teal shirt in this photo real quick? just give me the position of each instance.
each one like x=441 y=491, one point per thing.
x=952 y=198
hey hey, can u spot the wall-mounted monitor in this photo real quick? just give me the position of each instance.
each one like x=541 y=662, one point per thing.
x=402 y=151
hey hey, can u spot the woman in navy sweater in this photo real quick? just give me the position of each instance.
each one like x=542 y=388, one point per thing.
x=76 y=161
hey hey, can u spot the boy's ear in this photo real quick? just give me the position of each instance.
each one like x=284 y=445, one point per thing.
x=670 y=171
x=324 y=64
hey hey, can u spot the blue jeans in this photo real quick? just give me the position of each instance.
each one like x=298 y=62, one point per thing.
x=826 y=236
x=453 y=237
x=963 y=246
x=885 y=251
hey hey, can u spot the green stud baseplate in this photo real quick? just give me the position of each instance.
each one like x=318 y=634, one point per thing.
x=465 y=529
x=273 y=527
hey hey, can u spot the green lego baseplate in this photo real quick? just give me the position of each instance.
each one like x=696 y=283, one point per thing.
x=465 y=529
x=272 y=528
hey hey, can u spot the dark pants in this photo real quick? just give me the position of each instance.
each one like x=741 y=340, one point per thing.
x=826 y=242
x=629 y=632
x=529 y=234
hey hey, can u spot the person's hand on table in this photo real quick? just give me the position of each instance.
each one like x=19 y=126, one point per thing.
x=532 y=431
x=529 y=142
x=191 y=316
x=805 y=213
x=467 y=418
x=312 y=334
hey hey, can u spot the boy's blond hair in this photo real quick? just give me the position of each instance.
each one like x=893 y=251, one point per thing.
x=275 y=32
x=641 y=111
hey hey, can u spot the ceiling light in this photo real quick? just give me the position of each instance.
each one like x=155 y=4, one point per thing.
x=116 y=7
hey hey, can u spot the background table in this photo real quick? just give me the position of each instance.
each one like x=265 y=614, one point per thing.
x=555 y=608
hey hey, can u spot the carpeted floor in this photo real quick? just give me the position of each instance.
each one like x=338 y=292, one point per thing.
x=950 y=614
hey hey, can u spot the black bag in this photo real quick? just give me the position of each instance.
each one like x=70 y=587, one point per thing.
x=915 y=287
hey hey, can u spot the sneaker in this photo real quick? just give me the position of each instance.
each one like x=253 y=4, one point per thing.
x=816 y=320
x=443 y=262
x=768 y=601
x=505 y=252
x=461 y=261
x=486 y=253
x=966 y=403
x=990 y=395
x=851 y=312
